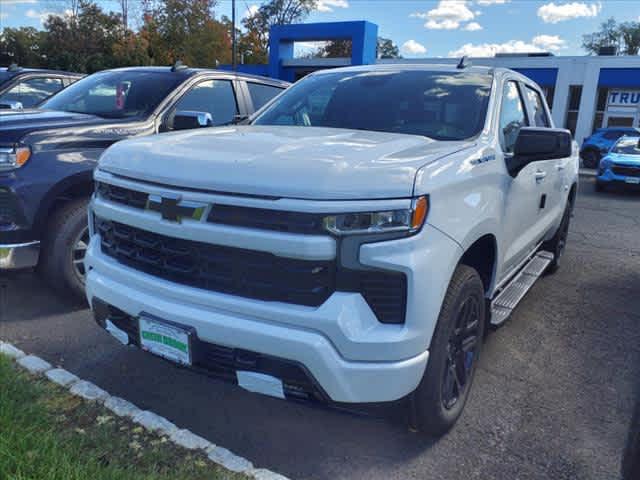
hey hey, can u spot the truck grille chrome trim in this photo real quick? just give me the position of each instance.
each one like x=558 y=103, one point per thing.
x=258 y=218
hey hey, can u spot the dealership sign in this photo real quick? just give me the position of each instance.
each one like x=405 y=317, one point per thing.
x=624 y=98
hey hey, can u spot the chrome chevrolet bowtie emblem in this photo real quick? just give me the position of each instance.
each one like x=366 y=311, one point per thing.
x=172 y=208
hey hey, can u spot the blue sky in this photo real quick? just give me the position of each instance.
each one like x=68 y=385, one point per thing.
x=427 y=28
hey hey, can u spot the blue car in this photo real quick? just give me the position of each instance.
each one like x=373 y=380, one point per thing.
x=621 y=165
x=600 y=142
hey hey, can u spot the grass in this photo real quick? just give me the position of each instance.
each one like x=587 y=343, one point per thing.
x=48 y=434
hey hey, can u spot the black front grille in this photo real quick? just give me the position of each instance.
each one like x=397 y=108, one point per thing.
x=626 y=170
x=8 y=213
x=235 y=271
x=223 y=362
x=124 y=196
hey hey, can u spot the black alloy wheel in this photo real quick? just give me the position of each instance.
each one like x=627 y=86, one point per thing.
x=461 y=353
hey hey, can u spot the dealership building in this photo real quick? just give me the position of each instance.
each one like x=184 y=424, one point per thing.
x=584 y=93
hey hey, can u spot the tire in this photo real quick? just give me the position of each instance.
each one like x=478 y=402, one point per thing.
x=631 y=457
x=590 y=159
x=558 y=243
x=440 y=398
x=64 y=232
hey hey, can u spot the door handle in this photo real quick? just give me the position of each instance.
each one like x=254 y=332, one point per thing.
x=540 y=175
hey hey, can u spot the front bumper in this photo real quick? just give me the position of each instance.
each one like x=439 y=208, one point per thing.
x=351 y=356
x=608 y=176
x=18 y=256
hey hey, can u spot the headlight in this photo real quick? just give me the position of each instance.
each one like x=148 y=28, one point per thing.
x=409 y=220
x=13 y=157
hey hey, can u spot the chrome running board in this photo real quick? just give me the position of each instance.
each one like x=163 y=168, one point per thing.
x=506 y=301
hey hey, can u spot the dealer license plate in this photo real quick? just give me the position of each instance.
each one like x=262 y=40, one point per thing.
x=632 y=180
x=165 y=339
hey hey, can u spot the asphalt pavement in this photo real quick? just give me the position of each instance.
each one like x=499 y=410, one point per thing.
x=552 y=398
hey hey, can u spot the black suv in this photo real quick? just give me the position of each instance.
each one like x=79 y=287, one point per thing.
x=28 y=87
x=47 y=155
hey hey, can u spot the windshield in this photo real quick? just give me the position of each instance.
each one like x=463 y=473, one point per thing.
x=627 y=146
x=4 y=76
x=115 y=94
x=439 y=105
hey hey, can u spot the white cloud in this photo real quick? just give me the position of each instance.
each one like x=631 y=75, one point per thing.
x=251 y=11
x=549 y=42
x=44 y=15
x=552 y=13
x=15 y=2
x=491 y=49
x=329 y=5
x=448 y=15
x=472 y=27
x=411 y=47
x=491 y=2
x=3 y=15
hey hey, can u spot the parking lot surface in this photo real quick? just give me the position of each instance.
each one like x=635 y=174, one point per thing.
x=552 y=398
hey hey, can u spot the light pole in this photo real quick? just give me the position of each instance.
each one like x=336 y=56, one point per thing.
x=234 y=42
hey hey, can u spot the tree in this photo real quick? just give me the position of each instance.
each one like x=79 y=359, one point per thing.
x=630 y=33
x=84 y=42
x=22 y=46
x=387 y=49
x=254 y=44
x=625 y=37
x=342 y=48
x=186 y=30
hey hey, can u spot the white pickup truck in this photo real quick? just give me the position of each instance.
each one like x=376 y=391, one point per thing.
x=352 y=243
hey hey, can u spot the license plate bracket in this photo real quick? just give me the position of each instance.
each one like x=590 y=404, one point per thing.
x=166 y=339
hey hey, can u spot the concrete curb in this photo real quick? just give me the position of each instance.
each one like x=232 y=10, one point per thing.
x=154 y=423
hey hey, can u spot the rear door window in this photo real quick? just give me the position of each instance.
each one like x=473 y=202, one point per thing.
x=261 y=94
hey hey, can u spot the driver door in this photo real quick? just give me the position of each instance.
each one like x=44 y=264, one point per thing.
x=521 y=209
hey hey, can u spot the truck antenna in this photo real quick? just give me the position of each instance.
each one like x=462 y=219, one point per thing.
x=464 y=63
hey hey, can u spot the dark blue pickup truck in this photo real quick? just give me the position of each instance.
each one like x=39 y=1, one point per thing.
x=47 y=155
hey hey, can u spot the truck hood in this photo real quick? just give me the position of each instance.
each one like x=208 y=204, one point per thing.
x=625 y=159
x=277 y=161
x=15 y=124
x=52 y=129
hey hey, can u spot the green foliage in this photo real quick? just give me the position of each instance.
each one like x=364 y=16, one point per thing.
x=254 y=45
x=624 y=36
x=46 y=433
x=90 y=39
x=342 y=48
x=186 y=30
x=22 y=46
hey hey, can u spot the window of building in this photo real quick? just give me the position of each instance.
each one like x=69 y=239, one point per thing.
x=575 y=95
x=601 y=106
x=549 y=94
x=512 y=116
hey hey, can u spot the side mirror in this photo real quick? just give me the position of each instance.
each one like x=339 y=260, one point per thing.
x=188 y=119
x=534 y=144
x=10 y=105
